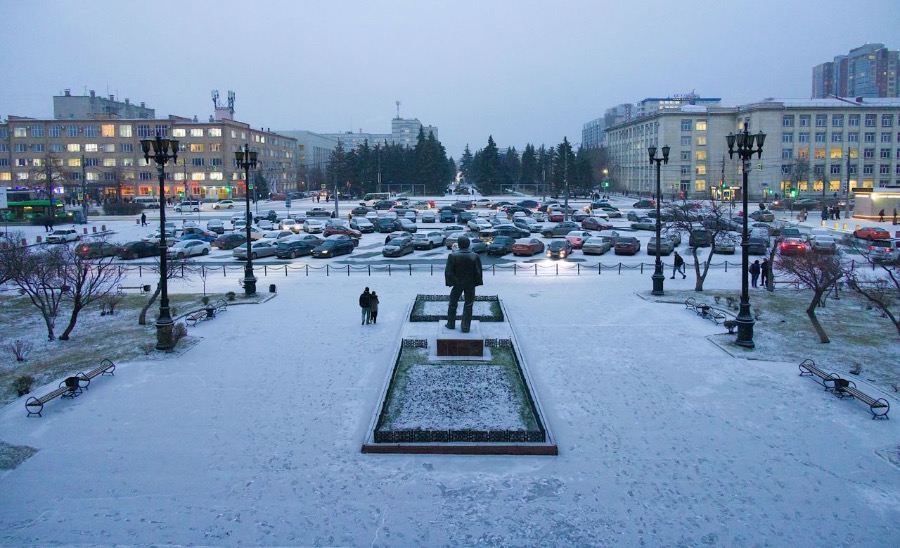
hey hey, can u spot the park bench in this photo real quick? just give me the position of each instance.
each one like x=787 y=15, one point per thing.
x=106 y=367
x=208 y=312
x=69 y=388
x=705 y=311
x=842 y=388
x=141 y=288
x=878 y=407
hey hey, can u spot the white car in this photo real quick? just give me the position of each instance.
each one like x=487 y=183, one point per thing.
x=265 y=224
x=428 y=240
x=314 y=225
x=428 y=217
x=224 y=204
x=277 y=235
x=259 y=249
x=188 y=248
x=483 y=202
x=362 y=224
x=596 y=246
x=63 y=235
x=290 y=224
x=478 y=224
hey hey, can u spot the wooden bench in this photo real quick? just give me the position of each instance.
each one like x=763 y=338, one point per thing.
x=705 y=311
x=106 y=367
x=142 y=288
x=878 y=407
x=691 y=304
x=69 y=388
x=808 y=368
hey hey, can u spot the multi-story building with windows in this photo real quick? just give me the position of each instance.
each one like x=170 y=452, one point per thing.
x=867 y=71
x=841 y=144
x=82 y=107
x=104 y=151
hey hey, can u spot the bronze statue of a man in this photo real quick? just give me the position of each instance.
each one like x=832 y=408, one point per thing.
x=463 y=274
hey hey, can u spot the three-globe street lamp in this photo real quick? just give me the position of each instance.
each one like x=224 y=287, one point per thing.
x=658 y=276
x=246 y=159
x=742 y=143
x=161 y=151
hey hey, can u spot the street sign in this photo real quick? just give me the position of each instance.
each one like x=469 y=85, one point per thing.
x=287 y=202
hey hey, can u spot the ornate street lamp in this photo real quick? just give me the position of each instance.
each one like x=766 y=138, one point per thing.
x=658 y=276
x=161 y=151
x=742 y=143
x=246 y=159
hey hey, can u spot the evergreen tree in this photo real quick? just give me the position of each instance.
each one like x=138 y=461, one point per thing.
x=487 y=165
x=510 y=168
x=465 y=163
x=528 y=172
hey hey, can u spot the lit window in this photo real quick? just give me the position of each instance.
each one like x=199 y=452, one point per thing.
x=215 y=147
x=196 y=132
x=700 y=185
x=701 y=140
x=217 y=176
x=701 y=125
x=179 y=132
x=91 y=147
x=700 y=170
x=108 y=130
x=6 y=176
x=214 y=132
x=836 y=153
x=73 y=162
x=73 y=147
x=125 y=130
x=109 y=162
x=819 y=153
x=198 y=176
x=19 y=132
x=128 y=162
x=701 y=155
x=197 y=147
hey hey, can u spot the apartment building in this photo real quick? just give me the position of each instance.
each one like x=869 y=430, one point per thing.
x=869 y=71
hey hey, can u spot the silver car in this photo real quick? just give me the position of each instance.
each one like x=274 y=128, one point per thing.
x=666 y=246
x=596 y=246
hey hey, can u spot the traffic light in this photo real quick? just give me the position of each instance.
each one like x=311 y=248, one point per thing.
x=793 y=193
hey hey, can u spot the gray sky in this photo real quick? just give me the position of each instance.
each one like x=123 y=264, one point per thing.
x=522 y=71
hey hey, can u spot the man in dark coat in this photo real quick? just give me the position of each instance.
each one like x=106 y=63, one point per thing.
x=364 y=304
x=463 y=275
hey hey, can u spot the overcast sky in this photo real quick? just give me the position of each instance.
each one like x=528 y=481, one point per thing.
x=523 y=71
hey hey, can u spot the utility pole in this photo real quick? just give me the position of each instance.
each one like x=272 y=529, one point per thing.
x=84 y=206
x=847 y=189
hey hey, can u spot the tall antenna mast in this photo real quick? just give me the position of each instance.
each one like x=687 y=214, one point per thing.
x=398 y=109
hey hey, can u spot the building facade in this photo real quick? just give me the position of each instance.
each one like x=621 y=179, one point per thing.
x=868 y=71
x=103 y=157
x=816 y=147
x=84 y=107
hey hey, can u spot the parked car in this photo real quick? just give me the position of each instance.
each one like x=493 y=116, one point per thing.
x=821 y=243
x=644 y=223
x=611 y=235
x=791 y=232
x=452 y=229
x=208 y=237
x=792 y=246
x=633 y=216
x=188 y=248
x=229 y=241
x=341 y=229
x=556 y=216
x=723 y=245
x=699 y=238
x=578 y=237
x=596 y=246
x=276 y=235
x=451 y=239
x=398 y=247
x=559 y=249
x=528 y=247
x=314 y=226
x=476 y=245
x=464 y=216
x=526 y=223
x=360 y=211
x=293 y=248
x=612 y=212
x=666 y=246
x=406 y=225
x=763 y=215
x=311 y=239
x=334 y=247
x=265 y=224
x=509 y=230
x=96 y=250
x=645 y=203
x=864 y=233
x=363 y=225
x=478 y=224
x=383 y=205
x=595 y=223
x=138 y=249
x=757 y=246
x=560 y=229
x=215 y=225
x=500 y=245
x=428 y=217
x=447 y=216
x=627 y=245
x=188 y=205
x=62 y=236
x=259 y=249
x=223 y=204
x=483 y=202
x=291 y=224
x=428 y=240
x=884 y=250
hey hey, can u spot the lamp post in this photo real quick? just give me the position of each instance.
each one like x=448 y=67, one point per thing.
x=161 y=151
x=246 y=159
x=658 y=276
x=742 y=143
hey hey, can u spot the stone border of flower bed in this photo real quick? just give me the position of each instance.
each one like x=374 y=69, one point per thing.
x=416 y=314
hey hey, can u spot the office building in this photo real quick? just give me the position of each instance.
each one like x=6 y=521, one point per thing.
x=868 y=71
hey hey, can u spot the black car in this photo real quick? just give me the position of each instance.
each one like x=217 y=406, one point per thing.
x=293 y=248
x=559 y=229
x=360 y=211
x=510 y=210
x=386 y=224
x=398 y=247
x=134 y=250
x=464 y=216
x=331 y=248
x=229 y=241
x=501 y=245
x=96 y=250
x=384 y=205
x=559 y=249
x=447 y=216
x=511 y=231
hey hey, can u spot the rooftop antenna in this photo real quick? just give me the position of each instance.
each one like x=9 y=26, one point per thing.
x=398 y=109
x=215 y=98
x=231 y=101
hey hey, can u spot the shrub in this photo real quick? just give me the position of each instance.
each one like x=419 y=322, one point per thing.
x=230 y=295
x=179 y=331
x=22 y=384
x=205 y=300
x=19 y=349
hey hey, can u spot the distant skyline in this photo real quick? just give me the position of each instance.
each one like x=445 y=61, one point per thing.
x=521 y=71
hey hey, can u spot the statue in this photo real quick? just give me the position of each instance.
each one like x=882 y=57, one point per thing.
x=463 y=274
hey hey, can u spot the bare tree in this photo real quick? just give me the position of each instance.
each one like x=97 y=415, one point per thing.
x=714 y=218
x=816 y=271
x=39 y=274
x=10 y=244
x=175 y=269
x=879 y=284
x=88 y=281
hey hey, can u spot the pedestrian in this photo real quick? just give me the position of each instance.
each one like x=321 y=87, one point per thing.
x=895 y=215
x=825 y=213
x=373 y=306
x=364 y=303
x=881 y=216
x=143 y=219
x=678 y=266
x=754 y=273
x=46 y=224
x=764 y=272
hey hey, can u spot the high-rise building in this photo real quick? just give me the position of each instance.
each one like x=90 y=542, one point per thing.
x=870 y=70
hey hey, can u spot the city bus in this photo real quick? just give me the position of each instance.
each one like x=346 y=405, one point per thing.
x=30 y=210
x=372 y=197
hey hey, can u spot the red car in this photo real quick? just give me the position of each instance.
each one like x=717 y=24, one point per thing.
x=594 y=223
x=527 y=246
x=871 y=233
x=341 y=229
x=556 y=216
x=792 y=246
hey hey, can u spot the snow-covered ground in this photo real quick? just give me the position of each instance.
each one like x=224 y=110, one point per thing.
x=253 y=435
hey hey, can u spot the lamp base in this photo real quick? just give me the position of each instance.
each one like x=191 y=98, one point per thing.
x=658 y=280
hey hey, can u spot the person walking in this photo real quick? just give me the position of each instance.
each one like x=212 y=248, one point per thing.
x=895 y=216
x=364 y=303
x=754 y=273
x=678 y=266
x=764 y=272
x=373 y=307
x=881 y=216
x=143 y=219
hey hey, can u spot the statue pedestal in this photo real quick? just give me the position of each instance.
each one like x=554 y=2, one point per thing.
x=454 y=343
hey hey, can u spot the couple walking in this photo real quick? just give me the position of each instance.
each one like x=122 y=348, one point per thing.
x=368 y=302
